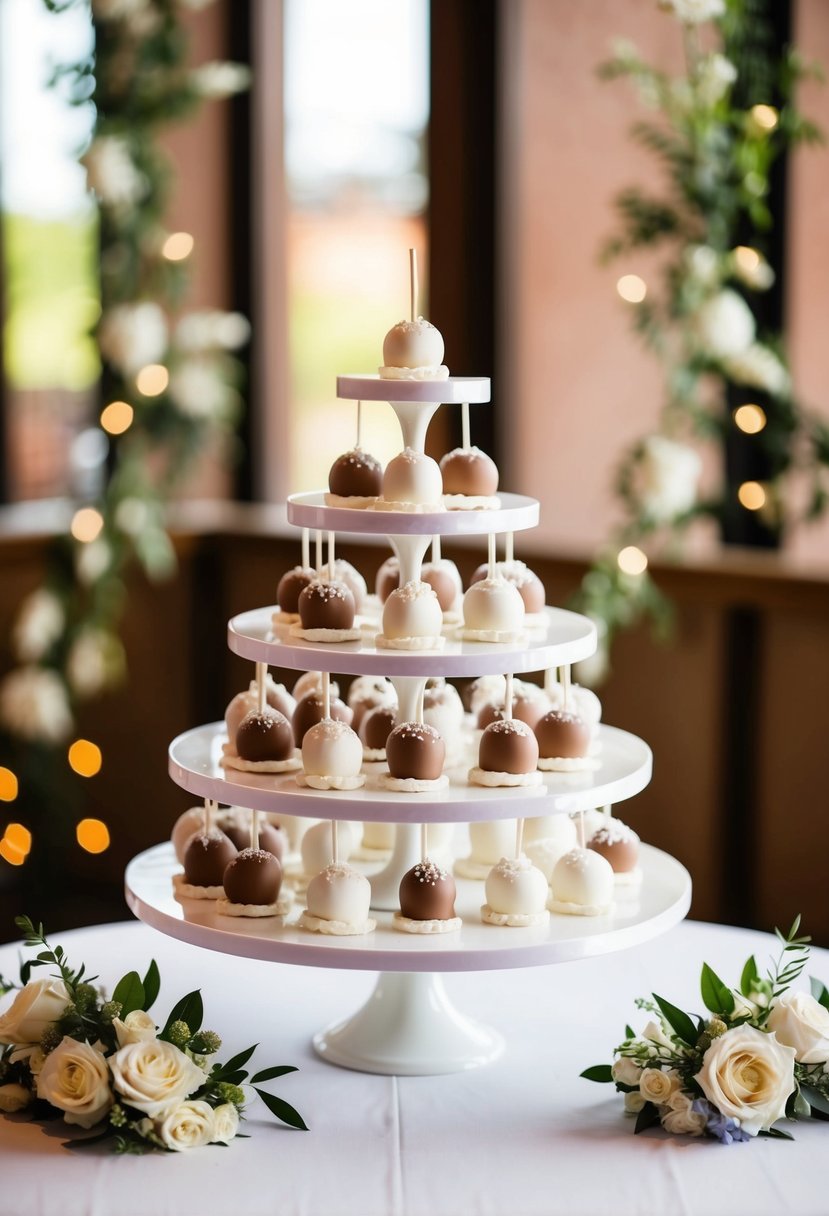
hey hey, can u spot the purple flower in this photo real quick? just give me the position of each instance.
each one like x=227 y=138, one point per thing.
x=727 y=1131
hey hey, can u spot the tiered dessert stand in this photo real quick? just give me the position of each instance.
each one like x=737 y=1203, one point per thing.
x=409 y=1026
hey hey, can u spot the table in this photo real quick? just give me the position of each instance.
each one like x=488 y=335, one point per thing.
x=522 y=1137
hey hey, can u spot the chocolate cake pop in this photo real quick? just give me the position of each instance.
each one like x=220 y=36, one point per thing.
x=326 y=613
x=272 y=839
x=366 y=693
x=516 y=894
x=388 y=579
x=206 y=856
x=582 y=884
x=264 y=744
x=427 y=900
x=345 y=572
x=507 y=756
x=493 y=611
x=486 y=690
x=619 y=845
x=338 y=901
x=332 y=756
x=355 y=479
x=311 y=709
x=444 y=579
x=470 y=480
x=581 y=701
x=412 y=619
x=375 y=729
x=291 y=586
x=415 y=754
x=412 y=480
x=252 y=886
x=276 y=696
x=563 y=742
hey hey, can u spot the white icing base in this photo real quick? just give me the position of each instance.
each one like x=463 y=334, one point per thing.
x=325 y=635
x=411 y=508
x=384 y=643
x=225 y=907
x=334 y=928
x=406 y=925
x=513 y=920
x=472 y=502
x=468 y=867
x=231 y=759
x=353 y=501
x=567 y=909
x=492 y=635
x=482 y=776
x=629 y=880
x=188 y=891
x=372 y=755
x=567 y=764
x=411 y=785
x=331 y=783
x=414 y=373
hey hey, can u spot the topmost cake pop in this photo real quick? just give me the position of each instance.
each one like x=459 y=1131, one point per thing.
x=413 y=349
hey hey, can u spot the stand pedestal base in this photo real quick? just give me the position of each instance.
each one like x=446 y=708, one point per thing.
x=408 y=1028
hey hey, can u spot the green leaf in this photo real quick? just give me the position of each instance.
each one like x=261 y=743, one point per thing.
x=629 y=1033
x=774 y=1133
x=819 y=991
x=715 y=994
x=750 y=977
x=270 y=1074
x=129 y=991
x=152 y=985
x=647 y=1117
x=282 y=1110
x=189 y=1009
x=238 y=1061
x=599 y=1072
x=815 y=1098
x=679 y=1022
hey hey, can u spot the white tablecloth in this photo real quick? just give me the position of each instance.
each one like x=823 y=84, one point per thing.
x=524 y=1136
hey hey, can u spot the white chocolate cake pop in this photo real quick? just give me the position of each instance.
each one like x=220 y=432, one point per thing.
x=338 y=902
x=332 y=756
x=443 y=709
x=522 y=577
x=547 y=839
x=413 y=350
x=345 y=572
x=493 y=611
x=412 y=619
x=412 y=481
x=516 y=894
x=489 y=840
x=582 y=884
x=315 y=848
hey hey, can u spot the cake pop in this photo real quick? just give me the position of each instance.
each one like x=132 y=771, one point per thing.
x=443 y=709
x=337 y=902
x=272 y=838
x=563 y=742
x=316 y=846
x=412 y=619
x=332 y=756
x=520 y=576
x=311 y=681
x=486 y=690
x=311 y=709
x=413 y=349
x=187 y=825
x=427 y=900
x=516 y=894
x=581 y=884
x=206 y=855
x=619 y=845
x=444 y=578
x=375 y=729
x=547 y=839
x=345 y=572
x=326 y=613
x=388 y=579
x=253 y=879
x=470 y=480
x=415 y=754
x=580 y=700
x=355 y=480
x=490 y=840
x=276 y=696
x=412 y=482
x=290 y=587
x=367 y=693
x=493 y=611
x=264 y=744
x=507 y=756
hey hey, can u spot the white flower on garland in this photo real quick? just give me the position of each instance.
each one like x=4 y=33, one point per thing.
x=668 y=476
x=75 y=1079
x=211 y=330
x=132 y=335
x=680 y=1118
x=694 y=12
x=91 y=561
x=112 y=174
x=199 y=389
x=715 y=78
x=34 y=705
x=39 y=623
x=724 y=325
x=139 y=16
x=759 y=367
x=94 y=658
x=218 y=79
x=703 y=264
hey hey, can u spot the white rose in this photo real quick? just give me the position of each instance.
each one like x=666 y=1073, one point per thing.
x=680 y=1118
x=111 y=172
x=154 y=1077
x=225 y=1123
x=217 y=80
x=33 y=1010
x=694 y=12
x=137 y=1027
x=188 y=1125
x=668 y=477
x=657 y=1086
x=634 y=1102
x=725 y=325
x=758 y=367
x=39 y=623
x=34 y=705
x=748 y=1076
x=703 y=264
x=626 y=1071
x=199 y=389
x=132 y=335
x=75 y=1079
x=715 y=77
x=14 y=1097
x=801 y=1022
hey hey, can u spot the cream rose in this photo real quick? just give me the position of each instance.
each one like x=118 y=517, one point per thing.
x=34 y=1008
x=634 y=1102
x=668 y=474
x=154 y=1077
x=137 y=1027
x=657 y=1086
x=14 y=1097
x=74 y=1078
x=748 y=1076
x=626 y=1071
x=225 y=1123
x=725 y=325
x=188 y=1125
x=801 y=1022
x=680 y=1118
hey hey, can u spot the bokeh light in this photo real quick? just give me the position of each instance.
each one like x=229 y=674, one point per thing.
x=19 y=837
x=117 y=417
x=178 y=246
x=750 y=418
x=87 y=524
x=85 y=758
x=10 y=854
x=8 y=785
x=752 y=495
x=152 y=380
x=632 y=288
x=92 y=835
x=631 y=560
x=765 y=117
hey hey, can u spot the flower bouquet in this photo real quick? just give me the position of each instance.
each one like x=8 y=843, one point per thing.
x=66 y=1050
x=762 y=1055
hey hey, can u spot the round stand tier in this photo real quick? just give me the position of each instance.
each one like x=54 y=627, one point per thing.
x=566 y=637
x=408 y=1026
x=517 y=513
x=454 y=390
x=625 y=764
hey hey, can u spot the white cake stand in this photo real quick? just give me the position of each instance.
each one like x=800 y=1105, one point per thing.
x=409 y=1027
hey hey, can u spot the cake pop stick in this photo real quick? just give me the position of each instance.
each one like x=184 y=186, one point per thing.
x=326 y=694
x=335 y=842
x=261 y=676
x=359 y=423
x=508 y=697
x=424 y=839
x=319 y=553
x=509 y=547
x=420 y=698
x=210 y=808
x=330 y=557
x=580 y=826
x=254 y=829
x=565 y=686
x=435 y=548
x=549 y=680
x=519 y=837
x=491 y=556
x=306 y=547
x=466 y=442
x=413 y=292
